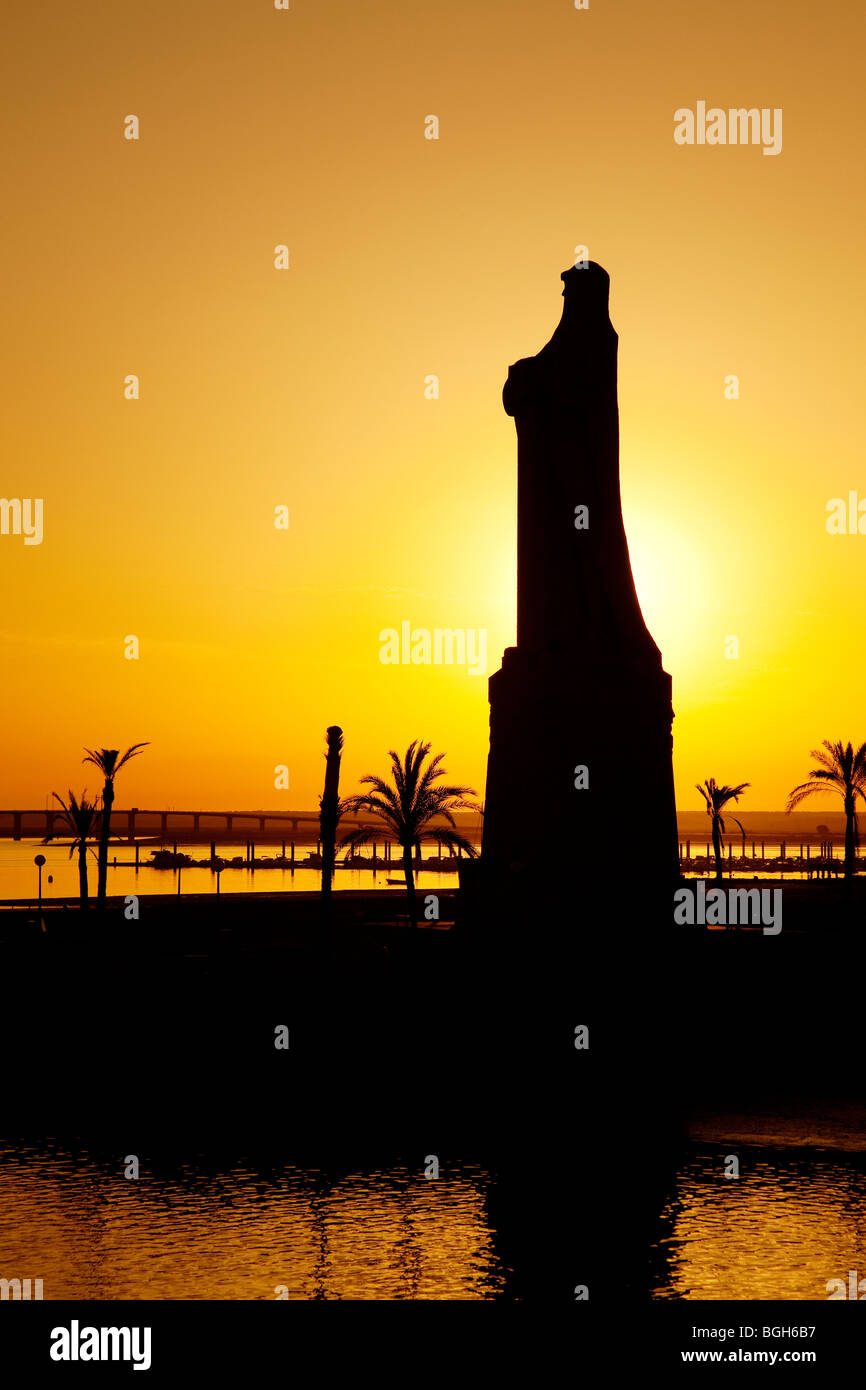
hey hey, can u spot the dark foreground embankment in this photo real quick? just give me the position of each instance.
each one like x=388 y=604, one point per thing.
x=158 y=1036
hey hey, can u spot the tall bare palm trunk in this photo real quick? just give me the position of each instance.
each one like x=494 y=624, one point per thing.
x=409 y=871
x=82 y=875
x=849 y=836
x=104 y=833
x=329 y=809
x=717 y=849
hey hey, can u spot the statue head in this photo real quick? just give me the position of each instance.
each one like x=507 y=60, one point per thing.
x=587 y=287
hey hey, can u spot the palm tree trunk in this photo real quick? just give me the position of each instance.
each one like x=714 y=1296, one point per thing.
x=849 y=837
x=328 y=809
x=717 y=849
x=105 y=829
x=410 y=884
x=82 y=874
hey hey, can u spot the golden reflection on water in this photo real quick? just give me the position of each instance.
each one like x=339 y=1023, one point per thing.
x=781 y=1230
x=90 y=1233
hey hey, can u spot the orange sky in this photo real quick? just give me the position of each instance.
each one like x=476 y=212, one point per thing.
x=305 y=387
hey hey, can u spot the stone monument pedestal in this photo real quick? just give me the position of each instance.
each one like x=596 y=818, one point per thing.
x=580 y=799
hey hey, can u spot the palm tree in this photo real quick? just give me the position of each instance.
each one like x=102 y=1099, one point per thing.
x=109 y=762
x=844 y=771
x=409 y=806
x=79 y=818
x=716 y=799
x=330 y=808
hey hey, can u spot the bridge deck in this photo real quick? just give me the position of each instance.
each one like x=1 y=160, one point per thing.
x=179 y=825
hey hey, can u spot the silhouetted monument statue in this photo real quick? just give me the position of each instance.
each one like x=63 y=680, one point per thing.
x=584 y=688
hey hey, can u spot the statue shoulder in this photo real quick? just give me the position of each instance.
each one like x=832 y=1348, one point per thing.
x=520 y=383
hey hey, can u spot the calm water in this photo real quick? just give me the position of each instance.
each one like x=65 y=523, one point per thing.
x=18 y=874
x=90 y=1233
x=19 y=878
x=794 y=1219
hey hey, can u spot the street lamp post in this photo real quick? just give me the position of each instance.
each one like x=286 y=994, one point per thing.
x=39 y=861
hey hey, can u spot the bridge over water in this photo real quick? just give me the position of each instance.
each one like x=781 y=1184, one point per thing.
x=229 y=827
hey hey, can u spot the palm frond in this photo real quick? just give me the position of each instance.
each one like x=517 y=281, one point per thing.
x=361 y=835
x=132 y=752
x=805 y=789
x=109 y=761
x=452 y=838
x=412 y=801
x=79 y=817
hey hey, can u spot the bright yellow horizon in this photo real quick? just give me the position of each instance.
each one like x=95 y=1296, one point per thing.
x=305 y=388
